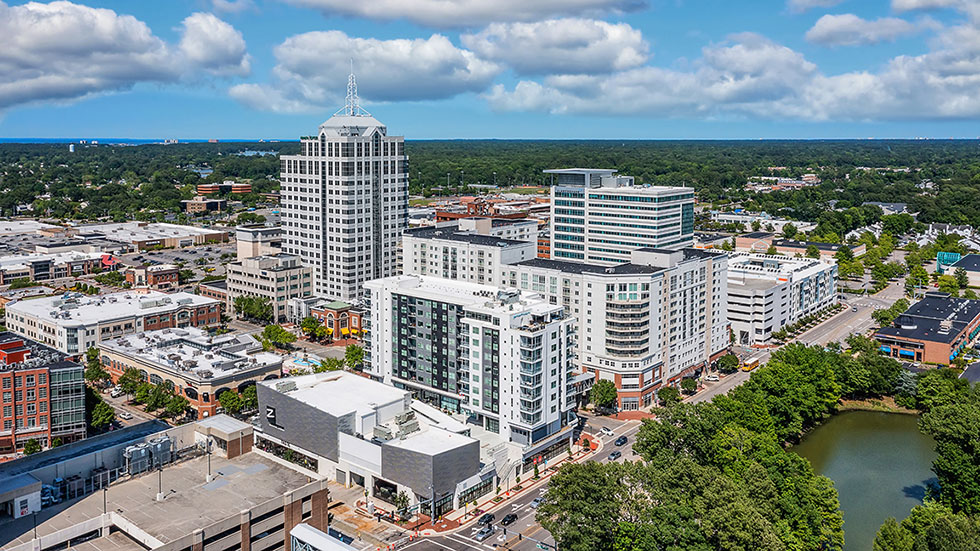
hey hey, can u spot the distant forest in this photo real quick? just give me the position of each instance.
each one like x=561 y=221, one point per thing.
x=159 y=176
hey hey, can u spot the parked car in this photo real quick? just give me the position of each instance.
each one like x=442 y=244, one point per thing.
x=713 y=378
x=485 y=532
x=486 y=519
x=536 y=501
x=508 y=520
x=125 y=415
x=607 y=431
x=854 y=308
x=622 y=440
x=615 y=455
x=116 y=392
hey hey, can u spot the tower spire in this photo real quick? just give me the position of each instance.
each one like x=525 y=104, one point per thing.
x=352 y=106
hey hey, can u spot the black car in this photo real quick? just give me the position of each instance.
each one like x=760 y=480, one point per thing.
x=615 y=455
x=508 y=520
x=486 y=519
x=622 y=440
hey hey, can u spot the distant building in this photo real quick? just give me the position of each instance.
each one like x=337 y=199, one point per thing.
x=745 y=219
x=760 y=242
x=278 y=278
x=160 y=277
x=72 y=323
x=766 y=293
x=934 y=330
x=599 y=217
x=888 y=208
x=45 y=266
x=200 y=367
x=342 y=320
x=217 y=289
x=201 y=204
x=228 y=186
x=258 y=240
x=147 y=235
x=971 y=264
x=43 y=395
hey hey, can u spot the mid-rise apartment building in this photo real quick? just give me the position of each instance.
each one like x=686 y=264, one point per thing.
x=278 y=278
x=198 y=366
x=470 y=250
x=599 y=217
x=642 y=324
x=344 y=201
x=72 y=323
x=503 y=357
x=769 y=292
x=43 y=395
x=257 y=240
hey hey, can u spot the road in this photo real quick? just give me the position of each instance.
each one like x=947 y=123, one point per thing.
x=837 y=328
x=525 y=525
x=726 y=383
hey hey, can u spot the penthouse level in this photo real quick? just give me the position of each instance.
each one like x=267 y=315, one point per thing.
x=72 y=322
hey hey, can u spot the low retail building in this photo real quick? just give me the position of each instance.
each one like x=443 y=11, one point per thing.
x=934 y=330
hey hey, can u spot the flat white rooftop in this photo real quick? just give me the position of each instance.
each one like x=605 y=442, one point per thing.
x=191 y=351
x=14 y=227
x=142 y=231
x=339 y=392
x=16 y=261
x=75 y=309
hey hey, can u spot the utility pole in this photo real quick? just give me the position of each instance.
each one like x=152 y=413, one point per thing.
x=160 y=483
x=210 y=477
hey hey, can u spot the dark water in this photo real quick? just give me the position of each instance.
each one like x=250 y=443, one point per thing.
x=880 y=464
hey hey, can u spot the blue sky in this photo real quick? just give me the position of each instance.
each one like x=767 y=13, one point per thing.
x=429 y=69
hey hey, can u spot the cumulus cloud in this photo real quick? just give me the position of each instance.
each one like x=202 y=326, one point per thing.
x=467 y=13
x=311 y=71
x=232 y=6
x=63 y=51
x=560 y=46
x=750 y=76
x=850 y=30
x=804 y=5
x=214 y=45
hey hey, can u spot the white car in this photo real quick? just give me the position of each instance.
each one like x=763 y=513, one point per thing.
x=713 y=378
x=607 y=431
x=125 y=415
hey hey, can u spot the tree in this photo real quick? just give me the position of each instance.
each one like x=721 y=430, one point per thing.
x=669 y=396
x=310 y=325
x=183 y=276
x=957 y=463
x=353 y=356
x=756 y=225
x=277 y=336
x=230 y=401
x=32 y=446
x=772 y=250
x=728 y=363
x=255 y=308
x=962 y=279
x=142 y=393
x=401 y=503
x=130 y=381
x=94 y=371
x=689 y=385
x=21 y=283
x=102 y=415
x=329 y=364
x=604 y=394
x=176 y=406
x=789 y=231
x=948 y=284
x=812 y=251
x=250 y=401
x=844 y=254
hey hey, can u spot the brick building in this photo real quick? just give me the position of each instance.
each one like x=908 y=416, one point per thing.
x=161 y=277
x=43 y=395
x=934 y=330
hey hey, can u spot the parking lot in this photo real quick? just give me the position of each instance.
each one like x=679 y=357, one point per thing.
x=200 y=258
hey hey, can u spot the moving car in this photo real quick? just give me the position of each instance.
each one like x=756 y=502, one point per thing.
x=854 y=308
x=488 y=518
x=615 y=455
x=485 y=532
x=536 y=501
x=116 y=392
x=621 y=440
x=508 y=520
x=607 y=431
x=125 y=415
x=713 y=378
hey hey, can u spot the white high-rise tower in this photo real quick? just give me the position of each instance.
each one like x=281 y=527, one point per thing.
x=345 y=200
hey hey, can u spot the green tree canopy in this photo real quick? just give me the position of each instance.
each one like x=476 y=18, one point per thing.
x=603 y=393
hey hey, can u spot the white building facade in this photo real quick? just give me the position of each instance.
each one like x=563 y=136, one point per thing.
x=768 y=292
x=344 y=201
x=502 y=357
x=598 y=217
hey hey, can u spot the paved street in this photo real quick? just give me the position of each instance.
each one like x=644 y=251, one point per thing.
x=848 y=321
x=726 y=383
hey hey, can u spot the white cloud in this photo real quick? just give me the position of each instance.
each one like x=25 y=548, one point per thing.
x=910 y=5
x=750 y=76
x=850 y=30
x=311 y=71
x=560 y=46
x=467 y=13
x=232 y=6
x=214 y=45
x=63 y=51
x=804 y=5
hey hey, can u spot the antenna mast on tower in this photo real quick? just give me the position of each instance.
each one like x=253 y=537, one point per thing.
x=352 y=106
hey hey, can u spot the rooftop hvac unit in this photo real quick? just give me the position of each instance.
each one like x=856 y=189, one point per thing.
x=285 y=386
x=160 y=450
x=382 y=432
x=136 y=458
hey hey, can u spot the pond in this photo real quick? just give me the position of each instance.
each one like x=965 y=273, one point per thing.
x=880 y=464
